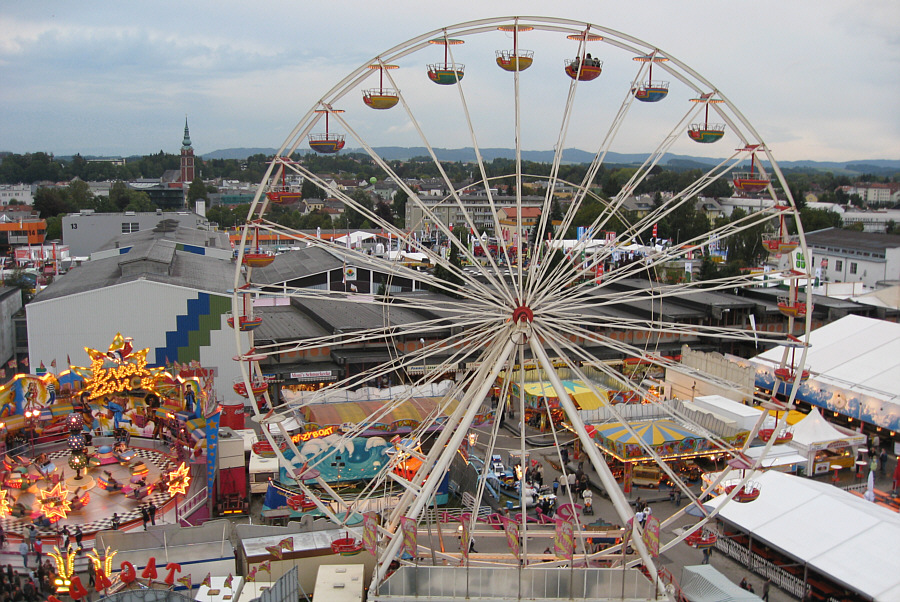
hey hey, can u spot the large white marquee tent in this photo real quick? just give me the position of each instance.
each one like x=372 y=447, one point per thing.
x=838 y=534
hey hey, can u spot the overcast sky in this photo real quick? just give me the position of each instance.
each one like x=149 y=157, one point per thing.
x=817 y=79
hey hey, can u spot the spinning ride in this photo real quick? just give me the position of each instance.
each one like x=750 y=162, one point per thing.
x=546 y=306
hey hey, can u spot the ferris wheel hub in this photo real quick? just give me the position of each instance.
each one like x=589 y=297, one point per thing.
x=523 y=313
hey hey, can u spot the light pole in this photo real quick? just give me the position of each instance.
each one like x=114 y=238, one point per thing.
x=422 y=343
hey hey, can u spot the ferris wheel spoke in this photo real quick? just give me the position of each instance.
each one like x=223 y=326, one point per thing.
x=434 y=257
x=490 y=275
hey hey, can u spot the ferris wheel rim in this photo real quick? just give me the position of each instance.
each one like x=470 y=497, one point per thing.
x=258 y=207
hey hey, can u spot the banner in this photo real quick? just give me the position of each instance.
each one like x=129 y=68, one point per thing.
x=212 y=448
x=464 y=538
x=512 y=535
x=370 y=532
x=408 y=528
x=651 y=535
x=626 y=479
x=564 y=542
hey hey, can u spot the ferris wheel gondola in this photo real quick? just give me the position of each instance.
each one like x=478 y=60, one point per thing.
x=706 y=132
x=327 y=143
x=754 y=180
x=448 y=72
x=381 y=97
x=515 y=59
x=282 y=193
x=650 y=90
x=584 y=68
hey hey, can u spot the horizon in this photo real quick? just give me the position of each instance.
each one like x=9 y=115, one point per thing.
x=123 y=87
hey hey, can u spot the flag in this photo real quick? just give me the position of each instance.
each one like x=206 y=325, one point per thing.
x=207 y=581
x=408 y=526
x=464 y=538
x=11 y=363
x=228 y=580
x=251 y=576
x=53 y=364
x=655 y=230
x=564 y=542
x=512 y=535
x=287 y=544
x=370 y=532
x=186 y=581
x=651 y=535
x=266 y=566
x=68 y=360
x=275 y=551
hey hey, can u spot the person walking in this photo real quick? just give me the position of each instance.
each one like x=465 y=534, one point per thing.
x=882 y=462
x=78 y=537
x=765 y=591
x=115 y=521
x=32 y=536
x=2 y=537
x=145 y=516
x=152 y=511
x=38 y=550
x=23 y=550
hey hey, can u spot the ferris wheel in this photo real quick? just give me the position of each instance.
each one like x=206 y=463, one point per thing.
x=533 y=299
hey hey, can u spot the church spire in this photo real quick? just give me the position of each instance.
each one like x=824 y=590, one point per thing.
x=186 y=143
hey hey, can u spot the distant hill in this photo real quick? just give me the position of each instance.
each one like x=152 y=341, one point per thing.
x=574 y=155
x=238 y=153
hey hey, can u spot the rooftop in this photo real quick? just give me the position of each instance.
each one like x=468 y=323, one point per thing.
x=837 y=237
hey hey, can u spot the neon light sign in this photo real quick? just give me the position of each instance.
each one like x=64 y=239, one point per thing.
x=312 y=434
x=129 y=371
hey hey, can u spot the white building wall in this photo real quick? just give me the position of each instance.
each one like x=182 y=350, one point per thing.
x=143 y=310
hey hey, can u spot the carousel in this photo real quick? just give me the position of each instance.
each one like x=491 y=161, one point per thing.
x=85 y=443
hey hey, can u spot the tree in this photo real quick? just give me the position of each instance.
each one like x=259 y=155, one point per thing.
x=399 y=206
x=23 y=281
x=196 y=191
x=52 y=201
x=450 y=276
x=54 y=228
x=355 y=219
x=309 y=190
x=140 y=201
x=383 y=210
x=80 y=194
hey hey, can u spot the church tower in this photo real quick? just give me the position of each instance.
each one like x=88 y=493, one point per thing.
x=187 y=158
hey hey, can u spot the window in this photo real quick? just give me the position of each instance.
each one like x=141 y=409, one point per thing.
x=839 y=265
x=852 y=268
x=128 y=228
x=824 y=264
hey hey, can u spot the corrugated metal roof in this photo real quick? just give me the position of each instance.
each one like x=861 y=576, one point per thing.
x=187 y=269
x=285 y=323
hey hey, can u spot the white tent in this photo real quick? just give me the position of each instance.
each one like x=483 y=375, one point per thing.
x=356 y=238
x=814 y=434
x=835 y=532
x=703 y=583
x=854 y=364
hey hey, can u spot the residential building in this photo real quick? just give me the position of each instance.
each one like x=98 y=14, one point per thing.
x=21 y=193
x=848 y=256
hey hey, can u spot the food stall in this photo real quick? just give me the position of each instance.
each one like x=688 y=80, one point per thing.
x=824 y=444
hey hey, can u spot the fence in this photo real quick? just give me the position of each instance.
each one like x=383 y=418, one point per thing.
x=759 y=565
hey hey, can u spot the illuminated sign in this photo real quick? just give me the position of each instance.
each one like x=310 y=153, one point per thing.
x=128 y=373
x=53 y=501
x=312 y=434
x=312 y=374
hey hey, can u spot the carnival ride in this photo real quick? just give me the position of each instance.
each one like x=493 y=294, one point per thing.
x=508 y=316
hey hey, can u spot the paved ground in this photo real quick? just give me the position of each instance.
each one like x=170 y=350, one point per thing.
x=682 y=555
